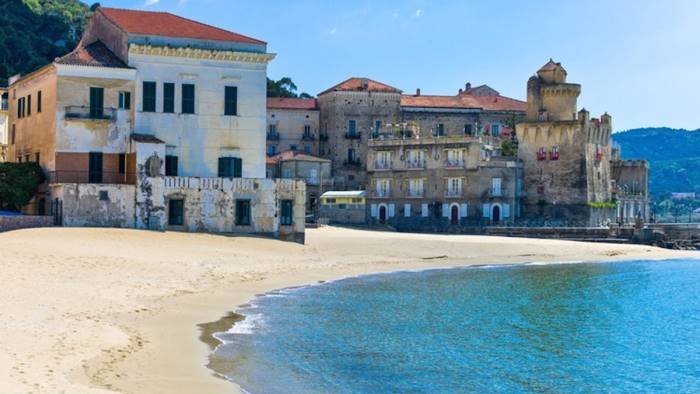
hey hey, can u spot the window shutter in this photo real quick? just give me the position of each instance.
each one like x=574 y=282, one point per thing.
x=407 y=210
x=231 y=100
x=222 y=165
x=373 y=210
x=445 y=210
x=463 y=212
x=506 y=211
x=424 y=210
x=391 y=210
x=237 y=167
x=486 y=209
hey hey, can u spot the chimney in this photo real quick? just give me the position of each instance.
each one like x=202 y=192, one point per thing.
x=460 y=91
x=467 y=86
x=365 y=83
x=418 y=92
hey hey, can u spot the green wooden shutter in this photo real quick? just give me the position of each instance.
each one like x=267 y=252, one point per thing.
x=231 y=100
x=96 y=102
x=237 y=167
x=222 y=164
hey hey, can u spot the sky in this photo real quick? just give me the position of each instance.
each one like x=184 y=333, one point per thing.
x=637 y=60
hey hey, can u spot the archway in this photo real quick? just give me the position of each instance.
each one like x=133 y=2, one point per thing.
x=496 y=214
x=454 y=214
x=382 y=214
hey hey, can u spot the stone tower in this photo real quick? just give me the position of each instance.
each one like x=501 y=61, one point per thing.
x=566 y=154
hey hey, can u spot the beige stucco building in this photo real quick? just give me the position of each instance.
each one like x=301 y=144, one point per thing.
x=155 y=121
x=292 y=125
x=314 y=171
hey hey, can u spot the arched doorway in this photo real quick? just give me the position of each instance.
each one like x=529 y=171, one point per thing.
x=496 y=214
x=382 y=214
x=454 y=214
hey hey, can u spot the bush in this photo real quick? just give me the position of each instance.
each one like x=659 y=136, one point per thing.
x=509 y=148
x=18 y=184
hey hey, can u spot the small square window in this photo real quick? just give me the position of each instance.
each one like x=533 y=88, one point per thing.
x=104 y=195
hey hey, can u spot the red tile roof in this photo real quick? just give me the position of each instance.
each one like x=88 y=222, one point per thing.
x=165 y=24
x=95 y=54
x=487 y=103
x=291 y=103
x=361 y=85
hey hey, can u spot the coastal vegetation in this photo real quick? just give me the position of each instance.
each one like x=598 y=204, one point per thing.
x=18 y=184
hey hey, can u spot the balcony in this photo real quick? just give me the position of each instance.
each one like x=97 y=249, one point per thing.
x=415 y=194
x=454 y=164
x=308 y=137
x=381 y=194
x=323 y=137
x=273 y=136
x=77 y=112
x=382 y=165
x=103 y=177
x=352 y=163
x=599 y=156
x=353 y=135
x=453 y=193
x=416 y=164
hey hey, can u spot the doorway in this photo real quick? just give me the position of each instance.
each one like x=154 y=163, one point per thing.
x=454 y=214
x=382 y=214
x=496 y=214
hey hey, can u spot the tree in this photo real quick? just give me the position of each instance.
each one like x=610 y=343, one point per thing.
x=18 y=184
x=285 y=87
x=508 y=148
x=511 y=121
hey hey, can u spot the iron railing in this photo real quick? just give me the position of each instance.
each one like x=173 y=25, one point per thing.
x=273 y=136
x=108 y=177
x=308 y=137
x=90 y=113
x=353 y=136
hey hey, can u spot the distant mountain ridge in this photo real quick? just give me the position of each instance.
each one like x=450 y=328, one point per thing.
x=673 y=155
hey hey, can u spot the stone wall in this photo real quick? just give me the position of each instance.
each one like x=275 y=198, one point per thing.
x=350 y=215
x=8 y=223
x=96 y=205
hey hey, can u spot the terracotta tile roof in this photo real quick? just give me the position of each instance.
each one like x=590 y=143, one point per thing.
x=291 y=103
x=361 y=85
x=165 y=24
x=464 y=101
x=95 y=54
x=270 y=160
x=294 y=155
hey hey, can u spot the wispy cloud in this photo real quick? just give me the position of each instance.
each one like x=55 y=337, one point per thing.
x=149 y=3
x=419 y=12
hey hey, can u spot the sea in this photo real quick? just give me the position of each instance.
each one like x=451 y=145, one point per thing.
x=630 y=326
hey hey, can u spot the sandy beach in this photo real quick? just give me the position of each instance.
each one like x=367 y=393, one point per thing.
x=109 y=310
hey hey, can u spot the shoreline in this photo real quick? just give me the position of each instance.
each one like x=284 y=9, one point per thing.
x=129 y=303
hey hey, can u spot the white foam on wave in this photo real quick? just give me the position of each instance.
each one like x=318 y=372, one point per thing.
x=248 y=325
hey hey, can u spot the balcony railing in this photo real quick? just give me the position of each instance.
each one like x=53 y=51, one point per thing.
x=106 y=177
x=415 y=194
x=416 y=164
x=308 y=137
x=353 y=136
x=382 y=165
x=90 y=113
x=454 y=163
x=353 y=163
x=323 y=137
x=273 y=136
x=381 y=193
x=453 y=193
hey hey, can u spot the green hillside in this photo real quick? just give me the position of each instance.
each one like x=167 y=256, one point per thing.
x=673 y=155
x=34 y=32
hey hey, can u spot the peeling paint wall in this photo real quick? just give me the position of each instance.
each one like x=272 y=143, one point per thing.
x=96 y=205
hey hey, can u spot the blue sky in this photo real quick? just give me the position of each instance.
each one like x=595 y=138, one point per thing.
x=639 y=62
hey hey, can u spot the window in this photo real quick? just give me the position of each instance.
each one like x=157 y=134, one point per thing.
x=287 y=217
x=104 y=195
x=187 y=98
x=19 y=108
x=377 y=126
x=292 y=147
x=95 y=167
x=149 y=97
x=96 y=103
x=170 y=165
x=38 y=102
x=351 y=155
x=415 y=188
x=352 y=126
x=495 y=130
x=176 y=210
x=496 y=186
x=307 y=131
x=231 y=100
x=12 y=135
x=440 y=130
x=168 y=98
x=230 y=167
x=29 y=105
x=468 y=129
x=243 y=212
x=307 y=149
x=124 y=100
x=37 y=156
x=287 y=173
x=122 y=163
x=271 y=150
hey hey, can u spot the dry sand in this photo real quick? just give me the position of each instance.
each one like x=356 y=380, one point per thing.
x=100 y=310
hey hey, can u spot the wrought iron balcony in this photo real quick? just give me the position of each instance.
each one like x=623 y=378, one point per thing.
x=454 y=163
x=453 y=193
x=323 y=137
x=415 y=193
x=273 y=136
x=90 y=113
x=352 y=162
x=308 y=137
x=381 y=193
x=353 y=136
x=415 y=164
x=382 y=165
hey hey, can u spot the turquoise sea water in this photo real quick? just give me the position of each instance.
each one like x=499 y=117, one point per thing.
x=601 y=327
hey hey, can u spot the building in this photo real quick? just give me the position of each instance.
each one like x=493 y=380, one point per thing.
x=313 y=170
x=4 y=129
x=292 y=124
x=566 y=155
x=343 y=207
x=155 y=121
x=630 y=187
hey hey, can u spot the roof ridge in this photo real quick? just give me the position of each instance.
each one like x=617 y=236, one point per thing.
x=214 y=27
